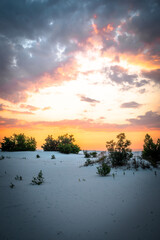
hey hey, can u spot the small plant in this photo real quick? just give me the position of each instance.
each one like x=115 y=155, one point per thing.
x=90 y=155
x=11 y=185
x=86 y=154
x=88 y=162
x=18 y=178
x=144 y=165
x=37 y=156
x=119 y=153
x=135 y=164
x=104 y=169
x=53 y=157
x=1 y=157
x=38 y=180
x=93 y=154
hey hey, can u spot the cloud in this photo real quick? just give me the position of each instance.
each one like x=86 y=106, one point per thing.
x=29 y=107
x=144 y=23
x=38 y=38
x=10 y=123
x=46 y=108
x=6 y=109
x=130 y=105
x=150 y=120
x=89 y=100
x=120 y=76
x=153 y=75
x=141 y=83
x=86 y=124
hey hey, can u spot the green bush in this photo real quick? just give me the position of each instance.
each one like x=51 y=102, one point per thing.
x=151 y=150
x=39 y=179
x=104 y=169
x=119 y=153
x=86 y=154
x=50 y=144
x=93 y=154
x=88 y=162
x=53 y=157
x=18 y=178
x=37 y=156
x=68 y=148
x=18 y=142
x=64 y=144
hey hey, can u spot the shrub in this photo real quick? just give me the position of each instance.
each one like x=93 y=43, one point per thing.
x=88 y=162
x=64 y=144
x=53 y=157
x=37 y=156
x=11 y=185
x=39 y=179
x=18 y=142
x=50 y=144
x=1 y=157
x=104 y=169
x=136 y=164
x=18 y=178
x=144 y=165
x=151 y=150
x=119 y=153
x=65 y=148
x=93 y=154
x=86 y=154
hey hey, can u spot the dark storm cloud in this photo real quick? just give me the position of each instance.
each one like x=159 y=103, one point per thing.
x=153 y=75
x=122 y=77
x=130 y=105
x=119 y=75
x=37 y=36
x=141 y=83
x=129 y=43
x=145 y=23
x=150 y=120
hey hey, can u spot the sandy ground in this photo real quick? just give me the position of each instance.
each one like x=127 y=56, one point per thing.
x=74 y=202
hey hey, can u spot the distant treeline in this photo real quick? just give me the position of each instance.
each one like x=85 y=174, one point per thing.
x=66 y=144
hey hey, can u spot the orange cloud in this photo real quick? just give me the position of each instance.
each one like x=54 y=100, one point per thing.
x=95 y=28
x=108 y=28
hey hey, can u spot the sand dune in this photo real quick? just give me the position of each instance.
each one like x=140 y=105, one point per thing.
x=74 y=202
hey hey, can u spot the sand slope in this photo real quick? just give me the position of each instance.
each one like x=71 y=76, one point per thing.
x=74 y=202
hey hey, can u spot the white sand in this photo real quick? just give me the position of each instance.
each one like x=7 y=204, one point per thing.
x=76 y=203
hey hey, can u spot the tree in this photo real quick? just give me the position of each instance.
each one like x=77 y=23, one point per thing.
x=151 y=150
x=18 y=142
x=119 y=153
x=64 y=144
x=50 y=144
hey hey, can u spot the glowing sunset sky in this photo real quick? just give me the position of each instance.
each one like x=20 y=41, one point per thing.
x=89 y=68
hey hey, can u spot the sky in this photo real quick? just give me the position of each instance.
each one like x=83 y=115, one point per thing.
x=90 y=68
